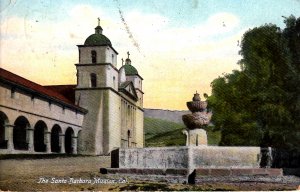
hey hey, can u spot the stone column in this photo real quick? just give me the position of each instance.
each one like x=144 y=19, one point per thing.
x=197 y=137
x=74 y=144
x=62 y=143
x=29 y=138
x=48 y=141
x=9 y=136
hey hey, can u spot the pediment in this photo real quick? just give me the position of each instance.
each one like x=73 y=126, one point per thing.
x=128 y=89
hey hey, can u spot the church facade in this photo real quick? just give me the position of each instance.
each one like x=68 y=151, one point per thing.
x=103 y=111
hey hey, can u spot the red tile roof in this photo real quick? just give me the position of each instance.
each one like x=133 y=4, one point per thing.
x=66 y=90
x=48 y=92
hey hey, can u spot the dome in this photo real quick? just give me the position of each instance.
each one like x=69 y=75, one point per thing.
x=97 y=40
x=130 y=70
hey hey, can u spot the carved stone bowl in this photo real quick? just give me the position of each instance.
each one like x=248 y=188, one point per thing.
x=197 y=120
x=196 y=106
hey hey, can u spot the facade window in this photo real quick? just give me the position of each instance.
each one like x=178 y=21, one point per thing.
x=13 y=93
x=93 y=80
x=32 y=98
x=63 y=110
x=128 y=134
x=112 y=58
x=94 y=56
x=49 y=104
x=77 y=76
x=79 y=56
x=114 y=82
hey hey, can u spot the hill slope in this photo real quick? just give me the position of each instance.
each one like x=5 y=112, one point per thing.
x=159 y=133
x=164 y=114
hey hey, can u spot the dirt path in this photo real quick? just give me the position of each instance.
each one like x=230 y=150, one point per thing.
x=24 y=175
x=16 y=174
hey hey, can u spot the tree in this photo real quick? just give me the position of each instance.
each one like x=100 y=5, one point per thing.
x=260 y=104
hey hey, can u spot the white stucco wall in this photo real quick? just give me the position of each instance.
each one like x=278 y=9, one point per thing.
x=92 y=133
x=139 y=128
x=137 y=81
x=114 y=125
x=105 y=54
x=37 y=108
x=107 y=76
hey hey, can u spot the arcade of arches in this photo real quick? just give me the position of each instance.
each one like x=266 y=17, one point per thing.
x=20 y=136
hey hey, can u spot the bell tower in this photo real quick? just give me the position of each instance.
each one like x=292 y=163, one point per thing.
x=97 y=80
x=96 y=59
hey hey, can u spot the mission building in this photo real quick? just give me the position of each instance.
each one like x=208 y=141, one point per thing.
x=103 y=111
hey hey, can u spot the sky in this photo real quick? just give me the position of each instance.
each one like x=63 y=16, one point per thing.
x=178 y=46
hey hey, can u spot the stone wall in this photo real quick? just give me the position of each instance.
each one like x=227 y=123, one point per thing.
x=223 y=157
x=190 y=157
x=164 y=157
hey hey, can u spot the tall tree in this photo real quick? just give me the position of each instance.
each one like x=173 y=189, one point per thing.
x=259 y=105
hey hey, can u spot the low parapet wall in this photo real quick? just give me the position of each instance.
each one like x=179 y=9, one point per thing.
x=188 y=157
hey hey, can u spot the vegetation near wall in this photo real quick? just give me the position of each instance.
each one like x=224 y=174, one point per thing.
x=160 y=133
x=260 y=103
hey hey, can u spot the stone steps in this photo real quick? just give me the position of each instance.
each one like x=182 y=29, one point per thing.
x=197 y=175
x=239 y=172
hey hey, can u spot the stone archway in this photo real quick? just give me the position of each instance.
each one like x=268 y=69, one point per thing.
x=19 y=133
x=69 y=140
x=56 y=131
x=3 y=122
x=40 y=130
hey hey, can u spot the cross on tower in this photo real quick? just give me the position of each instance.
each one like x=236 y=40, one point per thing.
x=122 y=61
x=98 y=21
x=128 y=54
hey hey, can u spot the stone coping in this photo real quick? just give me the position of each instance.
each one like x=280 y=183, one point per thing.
x=187 y=157
x=193 y=147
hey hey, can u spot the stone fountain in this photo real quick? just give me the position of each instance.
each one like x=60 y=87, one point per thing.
x=197 y=122
x=196 y=159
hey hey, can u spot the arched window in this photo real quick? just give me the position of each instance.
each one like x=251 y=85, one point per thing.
x=93 y=80
x=94 y=56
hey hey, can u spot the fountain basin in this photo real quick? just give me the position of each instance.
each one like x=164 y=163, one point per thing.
x=188 y=157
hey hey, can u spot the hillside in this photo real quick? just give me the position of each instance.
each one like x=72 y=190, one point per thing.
x=159 y=133
x=168 y=115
